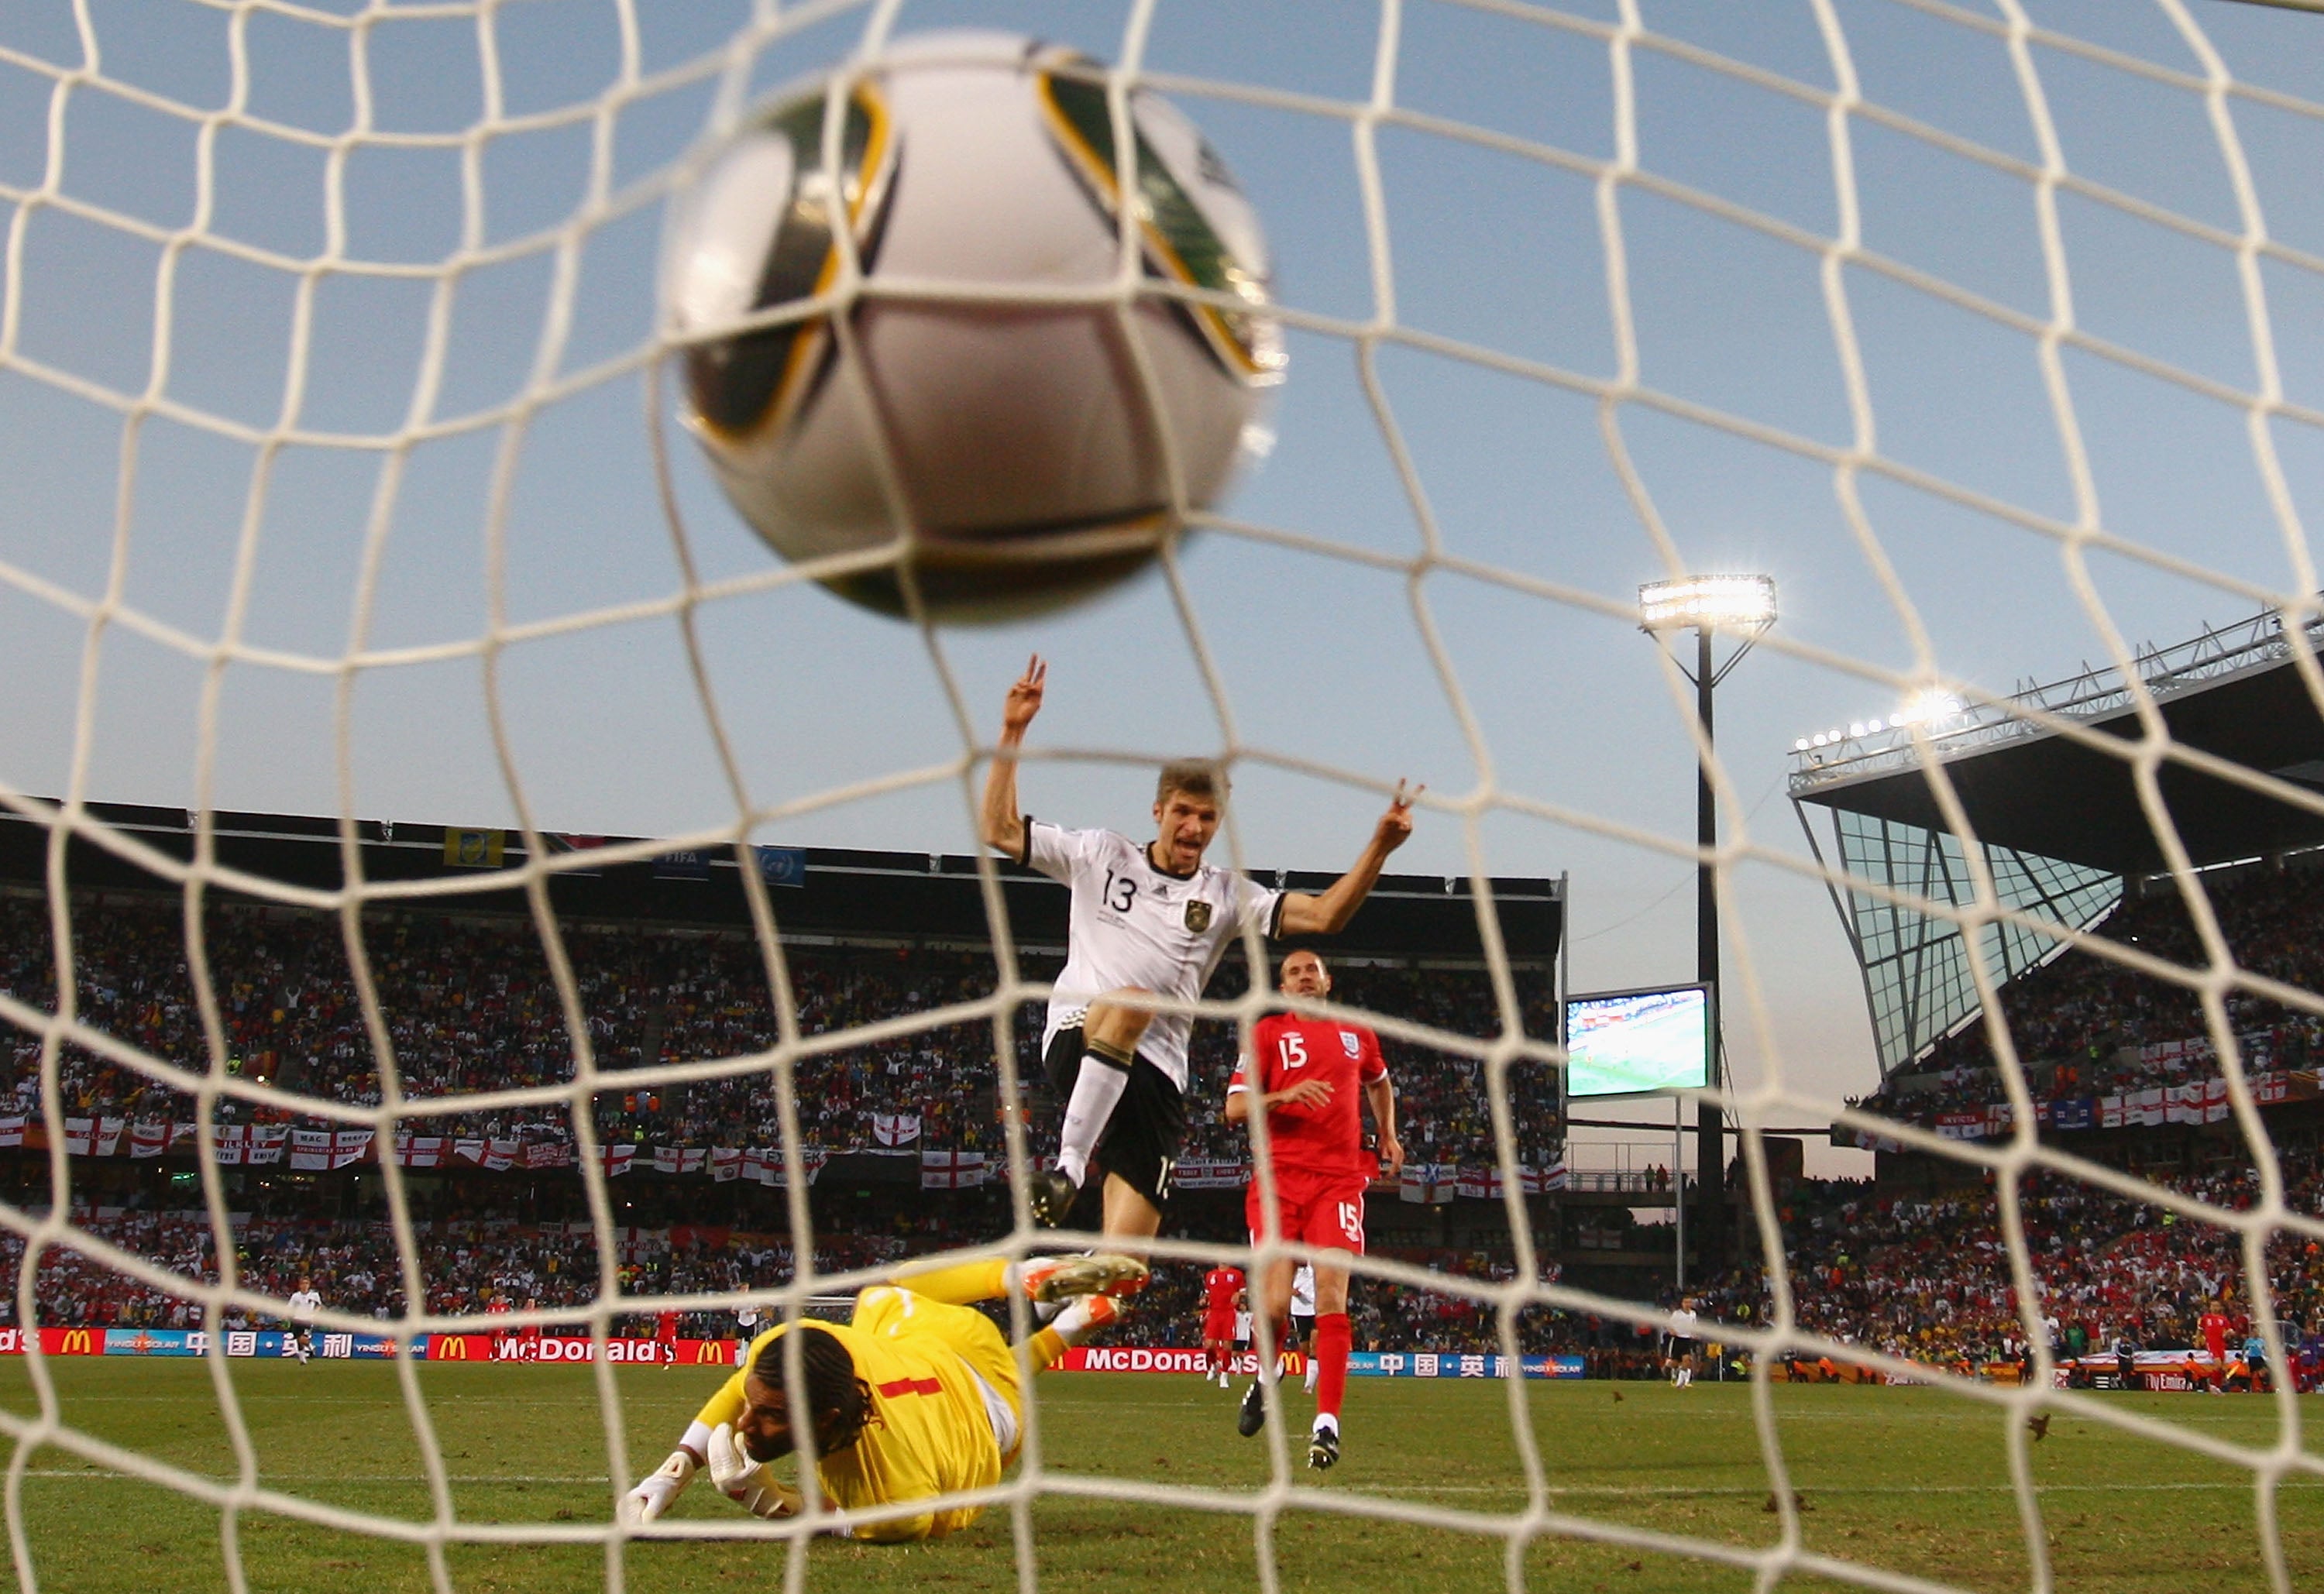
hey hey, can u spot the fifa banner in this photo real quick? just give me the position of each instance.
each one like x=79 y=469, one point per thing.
x=2202 y=1101
x=2150 y=1369
x=1362 y=1364
x=238 y=1342
x=511 y=1346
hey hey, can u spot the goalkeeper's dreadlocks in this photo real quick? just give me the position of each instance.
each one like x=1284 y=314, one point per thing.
x=839 y=1400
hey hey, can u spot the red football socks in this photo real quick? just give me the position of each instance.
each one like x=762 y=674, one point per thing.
x=1333 y=1340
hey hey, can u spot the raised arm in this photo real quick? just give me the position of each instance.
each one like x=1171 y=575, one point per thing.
x=1382 y=1097
x=1003 y=820
x=1328 y=913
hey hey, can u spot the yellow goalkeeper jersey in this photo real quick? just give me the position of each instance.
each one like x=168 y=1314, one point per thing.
x=929 y=1433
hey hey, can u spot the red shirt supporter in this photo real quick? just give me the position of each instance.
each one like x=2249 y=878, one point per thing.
x=1324 y=1138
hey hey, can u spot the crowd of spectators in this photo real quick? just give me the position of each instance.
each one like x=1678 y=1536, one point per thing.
x=479 y=1264
x=1925 y=1278
x=472 y=1257
x=2086 y=1026
x=1930 y=1278
x=469 y=1005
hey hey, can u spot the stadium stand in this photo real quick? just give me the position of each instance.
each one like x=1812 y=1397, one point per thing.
x=469 y=1007
x=665 y=973
x=1920 y=1273
x=2088 y=1028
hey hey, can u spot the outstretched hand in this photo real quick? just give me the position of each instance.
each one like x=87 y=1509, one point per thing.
x=1395 y=825
x=1024 y=699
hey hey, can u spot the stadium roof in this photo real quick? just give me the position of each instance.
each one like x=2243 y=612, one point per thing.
x=817 y=892
x=2234 y=692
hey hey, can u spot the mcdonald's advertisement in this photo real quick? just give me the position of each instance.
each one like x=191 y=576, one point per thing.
x=565 y=1348
x=274 y=1344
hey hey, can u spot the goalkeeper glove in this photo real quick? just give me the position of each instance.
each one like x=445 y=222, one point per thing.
x=655 y=1494
x=750 y=1484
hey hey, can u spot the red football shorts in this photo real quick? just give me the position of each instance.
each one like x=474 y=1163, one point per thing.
x=1320 y=1210
x=1218 y=1328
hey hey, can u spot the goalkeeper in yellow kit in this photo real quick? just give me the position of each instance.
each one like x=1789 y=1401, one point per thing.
x=917 y=1397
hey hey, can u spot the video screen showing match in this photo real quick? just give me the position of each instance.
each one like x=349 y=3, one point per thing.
x=1633 y=1043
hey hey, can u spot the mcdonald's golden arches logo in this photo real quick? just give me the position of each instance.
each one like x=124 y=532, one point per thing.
x=78 y=1341
x=447 y=1347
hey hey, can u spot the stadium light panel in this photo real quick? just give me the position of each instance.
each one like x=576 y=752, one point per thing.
x=1926 y=707
x=1708 y=603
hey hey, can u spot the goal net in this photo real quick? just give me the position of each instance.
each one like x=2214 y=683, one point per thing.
x=346 y=479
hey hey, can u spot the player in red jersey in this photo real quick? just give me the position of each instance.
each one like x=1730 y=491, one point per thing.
x=528 y=1338
x=666 y=1340
x=1309 y=1077
x=1222 y=1296
x=2213 y=1325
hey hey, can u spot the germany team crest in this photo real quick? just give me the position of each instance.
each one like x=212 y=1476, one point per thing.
x=1198 y=915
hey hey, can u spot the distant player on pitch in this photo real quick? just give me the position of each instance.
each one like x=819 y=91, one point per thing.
x=305 y=1302
x=2213 y=1325
x=1146 y=921
x=1686 y=1334
x=1222 y=1298
x=1307 y=1076
x=915 y=1397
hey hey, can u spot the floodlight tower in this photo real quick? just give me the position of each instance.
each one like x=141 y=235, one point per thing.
x=1744 y=607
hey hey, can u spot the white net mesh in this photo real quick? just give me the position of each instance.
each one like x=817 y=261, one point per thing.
x=329 y=357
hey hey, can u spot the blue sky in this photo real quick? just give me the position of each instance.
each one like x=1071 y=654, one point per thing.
x=1322 y=659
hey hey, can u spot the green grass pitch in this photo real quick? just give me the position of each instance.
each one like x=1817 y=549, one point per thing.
x=1910 y=1480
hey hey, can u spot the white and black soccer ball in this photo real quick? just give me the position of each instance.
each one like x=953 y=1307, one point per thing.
x=1027 y=446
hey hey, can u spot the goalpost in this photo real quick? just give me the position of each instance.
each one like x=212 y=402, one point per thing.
x=1967 y=269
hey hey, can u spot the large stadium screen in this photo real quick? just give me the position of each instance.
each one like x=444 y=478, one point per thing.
x=1630 y=1043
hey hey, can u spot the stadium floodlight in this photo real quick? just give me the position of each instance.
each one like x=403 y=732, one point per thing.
x=1707 y=605
x=1744 y=603
x=1928 y=706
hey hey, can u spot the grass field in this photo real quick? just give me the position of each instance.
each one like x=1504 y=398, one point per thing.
x=1906 y=1479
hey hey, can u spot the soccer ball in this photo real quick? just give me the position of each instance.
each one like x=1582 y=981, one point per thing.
x=1029 y=414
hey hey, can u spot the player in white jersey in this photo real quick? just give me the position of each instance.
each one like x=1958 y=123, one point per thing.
x=1685 y=1331
x=1147 y=921
x=305 y=1302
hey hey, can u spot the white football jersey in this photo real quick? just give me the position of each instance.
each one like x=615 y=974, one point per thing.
x=1131 y=925
x=1302 y=1291
x=305 y=1304
x=1682 y=1325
